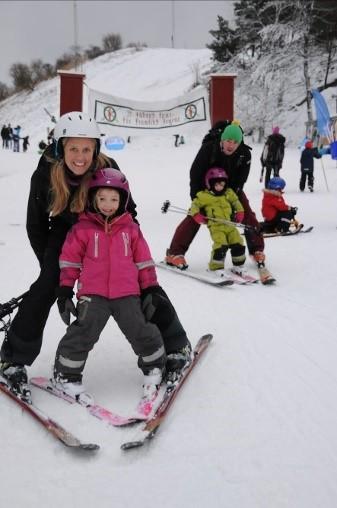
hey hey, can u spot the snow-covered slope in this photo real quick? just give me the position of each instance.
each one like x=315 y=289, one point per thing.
x=149 y=75
x=255 y=426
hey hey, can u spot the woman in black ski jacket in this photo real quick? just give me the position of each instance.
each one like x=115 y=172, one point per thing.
x=58 y=186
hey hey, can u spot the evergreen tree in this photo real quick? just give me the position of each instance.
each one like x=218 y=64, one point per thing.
x=225 y=44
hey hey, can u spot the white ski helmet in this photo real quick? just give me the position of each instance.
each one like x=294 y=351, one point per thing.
x=76 y=125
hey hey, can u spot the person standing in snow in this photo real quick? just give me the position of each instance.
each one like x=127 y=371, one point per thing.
x=4 y=133
x=232 y=154
x=307 y=166
x=16 y=138
x=25 y=143
x=59 y=182
x=219 y=202
x=273 y=154
x=109 y=284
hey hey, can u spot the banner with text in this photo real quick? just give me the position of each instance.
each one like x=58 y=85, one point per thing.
x=126 y=117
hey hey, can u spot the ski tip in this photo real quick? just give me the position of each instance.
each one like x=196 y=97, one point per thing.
x=91 y=447
x=132 y=444
x=207 y=337
x=227 y=282
x=268 y=282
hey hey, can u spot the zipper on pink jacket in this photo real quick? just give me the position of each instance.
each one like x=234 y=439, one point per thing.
x=96 y=245
x=126 y=241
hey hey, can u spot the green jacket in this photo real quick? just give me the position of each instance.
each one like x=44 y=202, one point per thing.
x=218 y=207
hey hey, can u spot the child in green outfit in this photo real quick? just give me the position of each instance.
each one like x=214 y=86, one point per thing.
x=220 y=203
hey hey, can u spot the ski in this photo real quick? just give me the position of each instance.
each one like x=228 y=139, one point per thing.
x=54 y=428
x=151 y=426
x=299 y=229
x=146 y=407
x=95 y=410
x=207 y=279
x=235 y=277
x=243 y=278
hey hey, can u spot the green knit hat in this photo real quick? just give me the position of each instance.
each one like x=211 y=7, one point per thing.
x=232 y=132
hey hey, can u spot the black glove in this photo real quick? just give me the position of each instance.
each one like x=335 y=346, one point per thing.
x=65 y=303
x=157 y=307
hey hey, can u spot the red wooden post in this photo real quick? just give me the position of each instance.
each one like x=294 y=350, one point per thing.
x=71 y=91
x=222 y=97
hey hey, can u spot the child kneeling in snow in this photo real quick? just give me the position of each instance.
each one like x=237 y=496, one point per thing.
x=276 y=213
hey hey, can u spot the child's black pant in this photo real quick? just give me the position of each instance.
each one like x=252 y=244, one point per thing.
x=307 y=175
x=93 y=314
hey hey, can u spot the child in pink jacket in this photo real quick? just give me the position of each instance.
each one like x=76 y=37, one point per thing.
x=106 y=253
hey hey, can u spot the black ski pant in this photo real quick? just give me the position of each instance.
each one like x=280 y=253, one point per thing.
x=93 y=313
x=307 y=175
x=24 y=339
x=281 y=222
x=275 y=168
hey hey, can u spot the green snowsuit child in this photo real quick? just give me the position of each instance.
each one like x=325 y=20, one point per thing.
x=217 y=202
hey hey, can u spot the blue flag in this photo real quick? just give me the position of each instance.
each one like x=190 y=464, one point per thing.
x=322 y=114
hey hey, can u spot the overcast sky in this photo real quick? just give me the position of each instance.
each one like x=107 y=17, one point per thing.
x=31 y=30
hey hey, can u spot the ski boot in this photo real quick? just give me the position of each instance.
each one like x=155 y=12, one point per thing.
x=16 y=377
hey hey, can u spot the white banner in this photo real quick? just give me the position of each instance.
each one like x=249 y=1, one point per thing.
x=127 y=117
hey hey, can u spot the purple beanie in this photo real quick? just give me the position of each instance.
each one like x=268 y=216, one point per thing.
x=276 y=130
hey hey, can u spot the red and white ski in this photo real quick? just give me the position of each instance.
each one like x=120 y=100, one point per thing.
x=151 y=426
x=206 y=278
x=96 y=410
x=54 y=428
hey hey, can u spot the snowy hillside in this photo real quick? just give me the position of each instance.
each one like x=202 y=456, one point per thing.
x=156 y=74
x=149 y=75
x=255 y=425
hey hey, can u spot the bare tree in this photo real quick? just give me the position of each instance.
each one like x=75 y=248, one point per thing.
x=112 y=42
x=22 y=77
x=41 y=71
x=137 y=45
x=4 y=91
x=64 y=62
x=93 y=52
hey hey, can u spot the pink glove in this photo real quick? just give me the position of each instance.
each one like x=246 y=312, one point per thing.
x=199 y=218
x=239 y=216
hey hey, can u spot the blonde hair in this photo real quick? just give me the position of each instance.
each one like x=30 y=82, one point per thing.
x=59 y=186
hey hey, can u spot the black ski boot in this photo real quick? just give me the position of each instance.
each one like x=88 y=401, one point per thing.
x=16 y=376
x=176 y=362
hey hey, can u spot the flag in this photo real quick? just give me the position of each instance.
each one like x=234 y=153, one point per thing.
x=322 y=114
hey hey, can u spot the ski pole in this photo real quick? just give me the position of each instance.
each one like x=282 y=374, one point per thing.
x=167 y=206
x=261 y=175
x=8 y=307
x=52 y=117
x=326 y=182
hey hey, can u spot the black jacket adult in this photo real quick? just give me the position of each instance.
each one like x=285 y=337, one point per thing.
x=273 y=152
x=307 y=158
x=45 y=231
x=236 y=165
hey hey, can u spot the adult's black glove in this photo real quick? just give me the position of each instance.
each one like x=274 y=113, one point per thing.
x=65 y=303
x=157 y=307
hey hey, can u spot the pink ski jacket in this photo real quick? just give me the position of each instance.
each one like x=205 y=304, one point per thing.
x=107 y=259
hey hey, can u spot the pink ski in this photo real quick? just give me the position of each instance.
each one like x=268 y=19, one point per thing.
x=146 y=407
x=95 y=410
